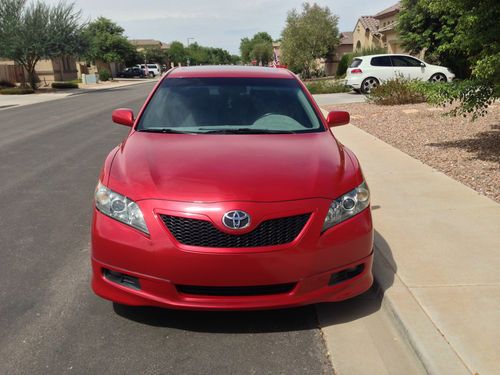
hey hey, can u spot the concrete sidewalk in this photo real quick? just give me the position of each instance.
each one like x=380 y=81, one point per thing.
x=437 y=258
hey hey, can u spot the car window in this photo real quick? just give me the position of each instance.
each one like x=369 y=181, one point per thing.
x=404 y=61
x=201 y=105
x=151 y=66
x=381 y=61
x=355 y=63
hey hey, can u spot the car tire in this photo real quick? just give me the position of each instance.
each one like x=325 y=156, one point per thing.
x=438 y=78
x=369 y=84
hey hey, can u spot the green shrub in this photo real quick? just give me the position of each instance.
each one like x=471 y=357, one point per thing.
x=6 y=84
x=326 y=87
x=17 y=91
x=398 y=91
x=64 y=85
x=344 y=63
x=104 y=75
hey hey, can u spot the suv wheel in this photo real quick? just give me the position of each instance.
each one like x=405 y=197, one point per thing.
x=368 y=85
x=438 y=77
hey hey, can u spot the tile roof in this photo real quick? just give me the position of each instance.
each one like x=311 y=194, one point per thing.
x=389 y=11
x=346 y=37
x=369 y=23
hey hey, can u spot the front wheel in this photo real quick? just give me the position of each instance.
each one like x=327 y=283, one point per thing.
x=368 y=85
x=438 y=77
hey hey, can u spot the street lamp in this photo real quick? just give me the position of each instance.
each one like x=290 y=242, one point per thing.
x=188 y=39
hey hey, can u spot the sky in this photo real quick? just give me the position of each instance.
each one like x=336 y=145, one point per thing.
x=215 y=23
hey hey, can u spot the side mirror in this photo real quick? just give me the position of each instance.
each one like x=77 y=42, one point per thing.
x=123 y=116
x=338 y=118
x=422 y=65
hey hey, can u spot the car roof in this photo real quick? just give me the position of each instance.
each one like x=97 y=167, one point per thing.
x=230 y=71
x=384 y=54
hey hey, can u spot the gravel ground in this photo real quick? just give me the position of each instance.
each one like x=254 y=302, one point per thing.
x=467 y=151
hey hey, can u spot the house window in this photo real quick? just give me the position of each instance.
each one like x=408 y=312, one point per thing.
x=358 y=45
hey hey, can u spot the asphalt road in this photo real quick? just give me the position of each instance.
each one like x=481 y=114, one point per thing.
x=51 y=322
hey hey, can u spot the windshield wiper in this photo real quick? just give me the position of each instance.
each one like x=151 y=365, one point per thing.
x=163 y=130
x=245 y=131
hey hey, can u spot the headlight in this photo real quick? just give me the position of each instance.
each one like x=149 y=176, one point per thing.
x=347 y=206
x=119 y=207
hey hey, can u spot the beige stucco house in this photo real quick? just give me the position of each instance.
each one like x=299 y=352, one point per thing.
x=378 y=31
x=142 y=44
x=57 y=69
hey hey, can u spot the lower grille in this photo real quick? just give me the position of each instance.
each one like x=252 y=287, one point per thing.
x=202 y=233
x=236 y=291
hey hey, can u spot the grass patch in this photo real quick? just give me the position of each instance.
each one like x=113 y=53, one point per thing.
x=65 y=85
x=326 y=87
x=17 y=91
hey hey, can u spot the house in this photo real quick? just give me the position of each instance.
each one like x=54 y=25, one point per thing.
x=62 y=68
x=378 y=31
x=142 y=44
x=387 y=28
x=345 y=46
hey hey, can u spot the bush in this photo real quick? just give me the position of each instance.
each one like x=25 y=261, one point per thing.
x=344 y=63
x=398 y=91
x=326 y=87
x=104 y=75
x=17 y=91
x=5 y=84
x=64 y=85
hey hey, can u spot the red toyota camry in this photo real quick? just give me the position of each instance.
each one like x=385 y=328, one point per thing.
x=230 y=192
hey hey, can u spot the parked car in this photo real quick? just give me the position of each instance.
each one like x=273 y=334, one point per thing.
x=231 y=192
x=367 y=72
x=152 y=70
x=131 y=73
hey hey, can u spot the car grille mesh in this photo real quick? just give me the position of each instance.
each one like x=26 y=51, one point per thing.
x=195 y=232
x=236 y=291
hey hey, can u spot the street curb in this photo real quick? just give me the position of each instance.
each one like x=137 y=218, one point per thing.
x=429 y=345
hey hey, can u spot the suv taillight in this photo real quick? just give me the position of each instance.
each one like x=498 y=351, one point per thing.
x=356 y=71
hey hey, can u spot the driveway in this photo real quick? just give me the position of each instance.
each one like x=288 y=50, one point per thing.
x=343 y=97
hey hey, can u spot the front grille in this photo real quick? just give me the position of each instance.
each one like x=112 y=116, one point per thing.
x=202 y=233
x=236 y=291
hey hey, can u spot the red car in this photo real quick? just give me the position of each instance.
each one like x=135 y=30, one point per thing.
x=230 y=192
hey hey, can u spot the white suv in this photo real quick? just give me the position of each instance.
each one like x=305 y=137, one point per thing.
x=153 y=69
x=367 y=72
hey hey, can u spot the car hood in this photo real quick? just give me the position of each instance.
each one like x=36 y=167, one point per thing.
x=215 y=168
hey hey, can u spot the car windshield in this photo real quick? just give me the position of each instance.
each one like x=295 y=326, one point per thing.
x=229 y=106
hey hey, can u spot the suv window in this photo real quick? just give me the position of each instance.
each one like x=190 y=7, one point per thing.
x=355 y=63
x=404 y=61
x=381 y=61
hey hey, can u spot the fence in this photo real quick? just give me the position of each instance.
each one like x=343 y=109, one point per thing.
x=12 y=73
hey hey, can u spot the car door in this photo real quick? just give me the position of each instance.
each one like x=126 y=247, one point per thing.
x=407 y=67
x=381 y=68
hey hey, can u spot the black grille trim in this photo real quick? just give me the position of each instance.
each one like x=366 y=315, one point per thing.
x=236 y=291
x=202 y=233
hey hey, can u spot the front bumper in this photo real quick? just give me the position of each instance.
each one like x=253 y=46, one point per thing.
x=160 y=264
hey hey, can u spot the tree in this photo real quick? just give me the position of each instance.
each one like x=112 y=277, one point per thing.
x=29 y=33
x=458 y=29
x=177 y=53
x=307 y=37
x=156 y=55
x=259 y=48
x=106 y=42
